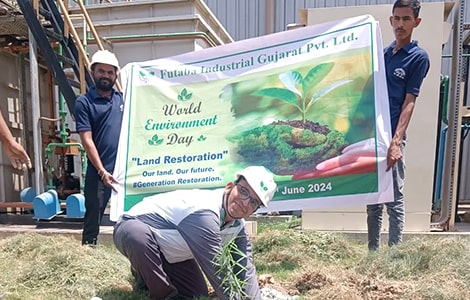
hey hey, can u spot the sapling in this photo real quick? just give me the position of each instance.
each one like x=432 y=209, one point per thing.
x=230 y=261
x=296 y=145
x=301 y=91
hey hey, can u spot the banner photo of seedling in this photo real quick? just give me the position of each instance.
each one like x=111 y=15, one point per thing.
x=309 y=104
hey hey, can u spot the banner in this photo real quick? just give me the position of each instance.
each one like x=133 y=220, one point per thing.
x=309 y=104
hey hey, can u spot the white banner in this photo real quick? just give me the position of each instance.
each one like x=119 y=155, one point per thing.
x=309 y=104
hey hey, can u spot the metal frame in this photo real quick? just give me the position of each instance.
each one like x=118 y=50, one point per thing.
x=452 y=145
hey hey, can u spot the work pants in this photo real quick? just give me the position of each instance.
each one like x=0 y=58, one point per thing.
x=96 y=198
x=138 y=243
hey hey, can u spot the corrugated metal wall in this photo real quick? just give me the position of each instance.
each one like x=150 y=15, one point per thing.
x=243 y=19
x=248 y=18
x=251 y=18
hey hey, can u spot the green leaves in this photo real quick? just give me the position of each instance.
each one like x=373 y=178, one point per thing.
x=315 y=76
x=302 y=92
x=230 y=260
x=281 y=94
x=315 y=97
x=263 y=186
x=291 y=80
x=184 y=95
x=155 y=141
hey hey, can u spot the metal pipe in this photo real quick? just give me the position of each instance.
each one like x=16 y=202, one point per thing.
x=80 y=47
x=88 y=21
x=74 y=32
x=25 y=109
x=270 y=11
x=452 y=147
x=450 y=55
x=158 y=36
x=35 y=100
x=50 y=150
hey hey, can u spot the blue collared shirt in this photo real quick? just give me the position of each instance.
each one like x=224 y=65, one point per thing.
x=405 y=71
x=103 y=117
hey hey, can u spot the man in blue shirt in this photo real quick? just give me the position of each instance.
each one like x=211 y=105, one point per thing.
x=98 y=116
x=173 y=239
x=406 y=65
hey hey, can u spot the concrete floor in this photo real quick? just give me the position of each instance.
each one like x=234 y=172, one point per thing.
x=12 y=224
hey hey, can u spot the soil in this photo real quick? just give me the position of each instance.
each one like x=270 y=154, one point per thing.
x=318 y=284
x=287 y=147
x=312 y=126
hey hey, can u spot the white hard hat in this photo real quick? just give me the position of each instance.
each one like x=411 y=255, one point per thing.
x=104 y=57
x=261 y=181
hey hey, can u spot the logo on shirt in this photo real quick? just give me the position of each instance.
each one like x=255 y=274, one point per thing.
x=121 y=107
x=400 y=73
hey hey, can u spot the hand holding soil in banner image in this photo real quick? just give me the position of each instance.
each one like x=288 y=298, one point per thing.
x=315 y=111
x=360 y=157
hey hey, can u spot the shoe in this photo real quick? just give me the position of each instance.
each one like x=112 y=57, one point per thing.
x=91 y=243
x=139 y=284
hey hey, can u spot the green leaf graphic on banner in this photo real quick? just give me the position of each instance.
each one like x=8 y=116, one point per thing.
x=201 y=138
x=184 y=95
x=155 y=141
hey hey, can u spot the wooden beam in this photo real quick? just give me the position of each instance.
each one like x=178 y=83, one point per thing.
x=28 y=205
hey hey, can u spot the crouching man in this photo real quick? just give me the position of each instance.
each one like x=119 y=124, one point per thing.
x=171 y=237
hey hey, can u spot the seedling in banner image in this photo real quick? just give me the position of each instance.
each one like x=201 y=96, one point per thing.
x=304 y=98
x=289 y=146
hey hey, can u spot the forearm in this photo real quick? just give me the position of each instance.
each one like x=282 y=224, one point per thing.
x=92 y=152
x=5 y=134
x=404 y=120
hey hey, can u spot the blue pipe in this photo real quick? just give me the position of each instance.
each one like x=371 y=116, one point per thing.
x=440 y=161
x=436 y=205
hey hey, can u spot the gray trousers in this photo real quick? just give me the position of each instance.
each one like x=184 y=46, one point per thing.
x=137 y=242
x=395 y=210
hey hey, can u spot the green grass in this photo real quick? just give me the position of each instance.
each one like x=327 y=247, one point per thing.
x=310 y=264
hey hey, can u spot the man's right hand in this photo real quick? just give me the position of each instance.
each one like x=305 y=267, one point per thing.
x=108 y=180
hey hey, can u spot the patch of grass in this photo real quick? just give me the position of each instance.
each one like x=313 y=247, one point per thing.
x=312 y=265
x=326 y=247
x=331 y=266
x=58 y=267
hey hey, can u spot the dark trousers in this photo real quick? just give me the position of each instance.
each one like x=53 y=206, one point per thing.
x=137 y=242
x=96 y=198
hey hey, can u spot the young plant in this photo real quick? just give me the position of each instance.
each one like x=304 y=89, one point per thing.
x=300 y=91
x=230 y=260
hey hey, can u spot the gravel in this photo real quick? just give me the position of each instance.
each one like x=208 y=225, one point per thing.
x=270 y=293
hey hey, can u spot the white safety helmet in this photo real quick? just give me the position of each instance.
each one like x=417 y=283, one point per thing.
x=104 y=57
x=261 y=181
